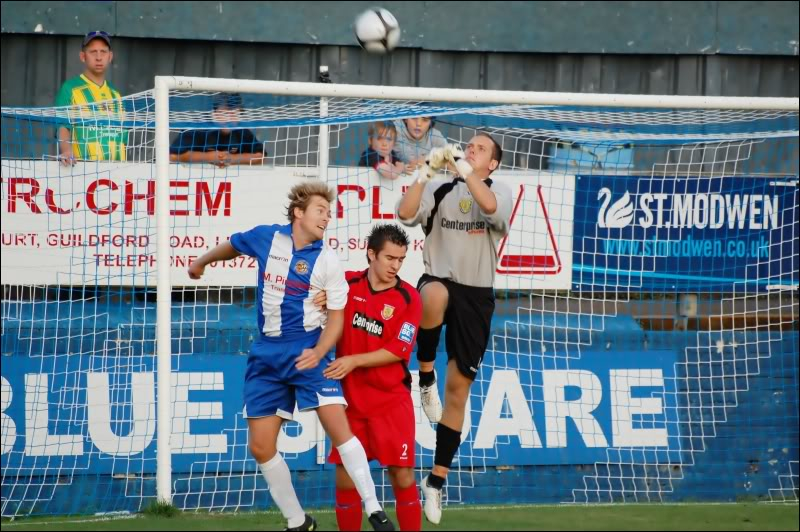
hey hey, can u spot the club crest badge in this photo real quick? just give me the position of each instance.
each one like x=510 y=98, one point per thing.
x=301 y=267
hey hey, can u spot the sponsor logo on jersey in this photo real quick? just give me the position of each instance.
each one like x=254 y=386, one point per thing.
x=465 y=204
x=301 y=267
x=387 y=312
x=407 y=332
x=369 y=325
x=469 y=227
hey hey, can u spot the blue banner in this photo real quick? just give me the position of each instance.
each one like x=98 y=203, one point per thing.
x=703 y=234
x=102 y=420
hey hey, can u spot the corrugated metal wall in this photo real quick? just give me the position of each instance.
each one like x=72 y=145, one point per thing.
x=609 y=27
x=34 y=66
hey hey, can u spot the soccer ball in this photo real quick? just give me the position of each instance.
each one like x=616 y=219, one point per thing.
x=377 y=30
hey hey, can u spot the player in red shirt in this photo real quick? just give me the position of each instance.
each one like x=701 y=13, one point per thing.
x=381 y=321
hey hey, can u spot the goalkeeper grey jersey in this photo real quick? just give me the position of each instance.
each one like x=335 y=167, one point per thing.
x=460 y=240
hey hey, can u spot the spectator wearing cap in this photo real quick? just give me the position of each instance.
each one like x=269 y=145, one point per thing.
x=83 y=138
x=225 y=144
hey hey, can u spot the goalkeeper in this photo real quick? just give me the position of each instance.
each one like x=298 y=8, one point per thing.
x=463 y=219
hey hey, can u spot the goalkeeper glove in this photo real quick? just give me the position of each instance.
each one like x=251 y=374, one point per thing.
x=455 y=155
x=436 y=160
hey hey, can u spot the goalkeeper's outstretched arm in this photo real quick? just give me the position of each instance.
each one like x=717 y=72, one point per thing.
x=409 y=205
x=224 y=251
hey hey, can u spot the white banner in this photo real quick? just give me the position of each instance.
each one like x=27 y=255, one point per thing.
x=94 y=223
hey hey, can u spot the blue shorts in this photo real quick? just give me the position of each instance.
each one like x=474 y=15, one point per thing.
x=272 y=384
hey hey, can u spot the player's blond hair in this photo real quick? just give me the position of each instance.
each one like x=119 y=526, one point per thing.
x=301 y=194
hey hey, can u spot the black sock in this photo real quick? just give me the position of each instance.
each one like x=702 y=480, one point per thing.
x=447 y=442
x=435 y=481
x=427 y=378
x=428 y=343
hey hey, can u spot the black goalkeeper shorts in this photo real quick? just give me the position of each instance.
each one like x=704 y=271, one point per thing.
x=468 y=322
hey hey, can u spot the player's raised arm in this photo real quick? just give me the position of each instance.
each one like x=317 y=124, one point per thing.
x=224 y=251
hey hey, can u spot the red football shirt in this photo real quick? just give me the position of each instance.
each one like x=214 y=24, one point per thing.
x=389 y=320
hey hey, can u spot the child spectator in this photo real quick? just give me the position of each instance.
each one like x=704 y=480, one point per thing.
x=379 y=154
x=416 y=139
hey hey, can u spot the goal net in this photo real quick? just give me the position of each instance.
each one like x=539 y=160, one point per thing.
x=644 y=345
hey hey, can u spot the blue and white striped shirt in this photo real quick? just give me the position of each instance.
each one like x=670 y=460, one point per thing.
x=288 y=280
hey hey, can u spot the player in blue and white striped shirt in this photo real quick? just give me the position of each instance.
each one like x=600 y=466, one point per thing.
x=286 y=362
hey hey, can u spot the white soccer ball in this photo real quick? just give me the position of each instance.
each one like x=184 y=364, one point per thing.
x=377 y=30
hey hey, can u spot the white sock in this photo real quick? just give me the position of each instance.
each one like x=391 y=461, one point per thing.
x=279 y=480
x=354 y=460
